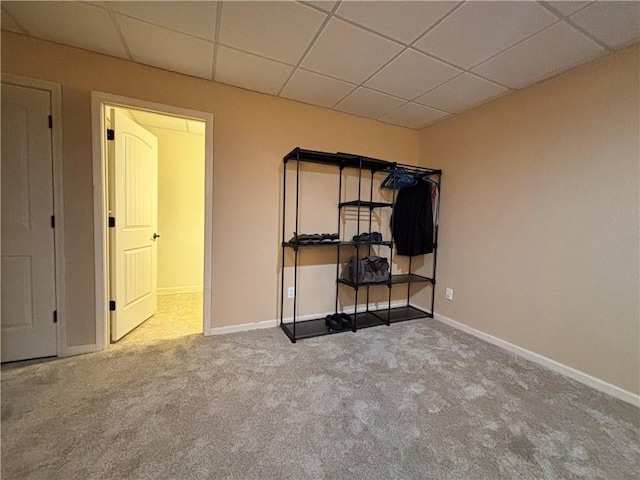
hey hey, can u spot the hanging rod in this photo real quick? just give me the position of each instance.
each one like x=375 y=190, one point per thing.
x=417 y=168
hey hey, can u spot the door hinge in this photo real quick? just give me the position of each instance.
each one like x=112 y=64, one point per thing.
x=112 y=305
x=55 y=316
x=50 y=121
x=111 y=134
x=53 y=221
x=112 y=222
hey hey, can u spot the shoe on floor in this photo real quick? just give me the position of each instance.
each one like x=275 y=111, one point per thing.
x=334 y=322
x=347 y=321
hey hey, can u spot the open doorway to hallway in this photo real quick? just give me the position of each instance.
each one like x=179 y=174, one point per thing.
x=156 y=202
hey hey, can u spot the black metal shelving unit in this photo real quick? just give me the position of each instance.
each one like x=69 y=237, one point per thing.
x=297 y=330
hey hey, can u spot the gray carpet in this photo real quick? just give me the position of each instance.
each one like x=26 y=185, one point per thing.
x=416 y=400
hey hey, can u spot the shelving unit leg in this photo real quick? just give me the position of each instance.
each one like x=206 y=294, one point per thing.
x=393 y=219
x=409 y=283
x=295 y=250
x=433 y=273
x=284 y=219
x=339 y=236
x=355 y=311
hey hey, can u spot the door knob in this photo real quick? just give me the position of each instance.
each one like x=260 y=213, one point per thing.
x=155 y=235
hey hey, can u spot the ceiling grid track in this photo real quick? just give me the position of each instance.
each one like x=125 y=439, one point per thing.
x=8 y=14
x=116 y=25
x=173 y=30
x=309 y=47
x=410 y=46
x=574 y=25
x=215 y=39
x=406 y=47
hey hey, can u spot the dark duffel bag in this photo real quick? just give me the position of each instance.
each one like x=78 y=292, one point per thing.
x=366 y=270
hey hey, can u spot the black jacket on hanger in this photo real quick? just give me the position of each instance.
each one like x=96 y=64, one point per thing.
x=412 y=221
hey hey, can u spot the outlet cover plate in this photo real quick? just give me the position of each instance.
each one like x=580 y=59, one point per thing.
x=448 y=293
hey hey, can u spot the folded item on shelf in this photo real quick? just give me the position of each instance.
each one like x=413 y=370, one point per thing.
x=313 y=238
x=368 y=237
x=304 y=239
x=370 y=269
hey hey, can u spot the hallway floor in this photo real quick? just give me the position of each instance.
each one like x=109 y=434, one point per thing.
x=178 y=315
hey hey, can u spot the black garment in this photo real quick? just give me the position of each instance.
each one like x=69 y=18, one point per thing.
x=412 y=220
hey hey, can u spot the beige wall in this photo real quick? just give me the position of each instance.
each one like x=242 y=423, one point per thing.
x=180 y=210
x=252 y=133
x=540 y=218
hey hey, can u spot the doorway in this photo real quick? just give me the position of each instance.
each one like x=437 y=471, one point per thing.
x=153 y=259
x=156 y=238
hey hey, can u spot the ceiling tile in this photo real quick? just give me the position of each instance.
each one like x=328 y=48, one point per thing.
x=539 y=56
x=77 y=24
x=367 y=103
x=461 y=93
x=349 y=53
x=400 y=20
x=411 y=74
x=326 y=5
x=278 y=30
x=193 y=18
x=478 y=30
x=316 y=89
x=413 y=115
x=150 y=119
x=251 y=72
x=567 y=7
x=614 y=23
x=9 y=23
x=166 y=49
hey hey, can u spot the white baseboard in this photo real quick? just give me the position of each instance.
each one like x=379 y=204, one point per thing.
x=244 y=327
x=557 y=367
x=79 y=350
x=187 y=289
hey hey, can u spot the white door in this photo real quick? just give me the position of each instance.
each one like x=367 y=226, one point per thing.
x=28 y=259
x=133 y=201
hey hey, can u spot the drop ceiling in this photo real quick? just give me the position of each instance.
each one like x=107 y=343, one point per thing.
x=408 y=63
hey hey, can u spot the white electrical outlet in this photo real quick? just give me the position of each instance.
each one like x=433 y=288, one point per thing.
x=448 y=293
x=291 y=292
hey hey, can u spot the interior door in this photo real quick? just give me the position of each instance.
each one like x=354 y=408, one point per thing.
x=27 y=252
x=133 y=201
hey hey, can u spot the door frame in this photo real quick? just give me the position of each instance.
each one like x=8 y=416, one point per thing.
x=55 y=91
x=100 y=189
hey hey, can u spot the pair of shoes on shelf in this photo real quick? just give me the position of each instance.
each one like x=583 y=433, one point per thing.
x=372 y=237
x=330 y=238
x=338 y=321
x=305 y=238
x=314 y=238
